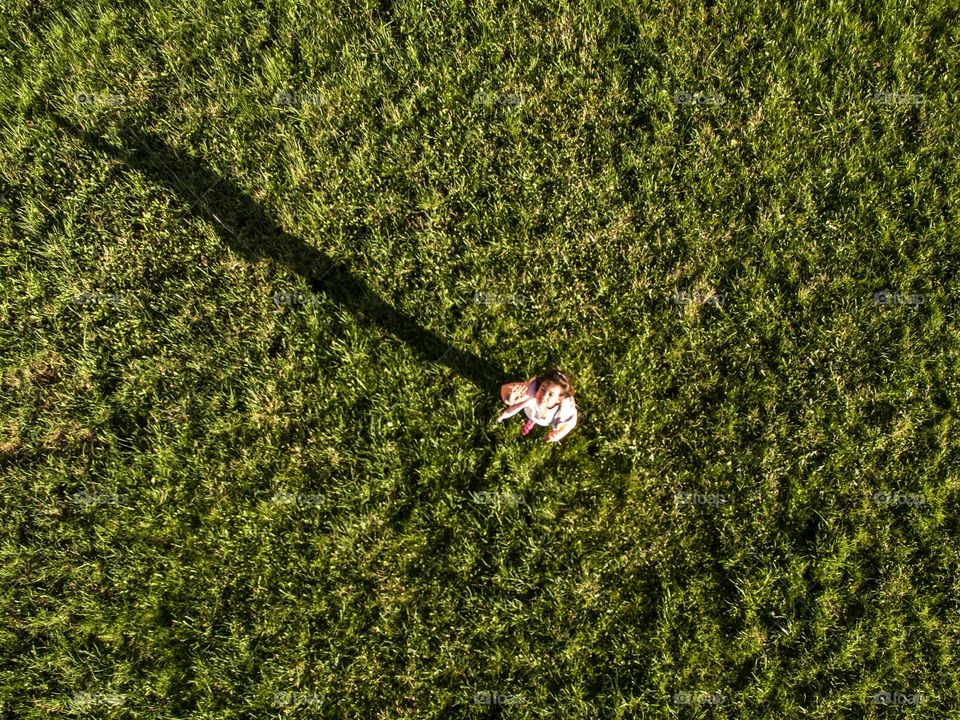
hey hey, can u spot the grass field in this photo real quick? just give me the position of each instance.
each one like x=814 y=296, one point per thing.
x=266 y=265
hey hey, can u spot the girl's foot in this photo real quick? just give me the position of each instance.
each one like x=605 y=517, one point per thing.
x=527 y=427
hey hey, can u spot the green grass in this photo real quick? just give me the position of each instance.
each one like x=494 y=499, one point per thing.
x=216 y=505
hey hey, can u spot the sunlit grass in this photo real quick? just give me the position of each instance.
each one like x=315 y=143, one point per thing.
x=229 y=491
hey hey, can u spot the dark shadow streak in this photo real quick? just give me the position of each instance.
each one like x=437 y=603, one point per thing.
x=243 y=225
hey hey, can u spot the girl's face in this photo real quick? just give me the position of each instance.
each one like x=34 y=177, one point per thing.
x=549 y=395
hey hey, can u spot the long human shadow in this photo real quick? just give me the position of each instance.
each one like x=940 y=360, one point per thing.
x=249 y=230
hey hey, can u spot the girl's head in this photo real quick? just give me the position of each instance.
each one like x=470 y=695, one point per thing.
x=553 y=386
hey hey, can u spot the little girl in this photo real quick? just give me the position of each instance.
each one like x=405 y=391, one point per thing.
x=545 y=400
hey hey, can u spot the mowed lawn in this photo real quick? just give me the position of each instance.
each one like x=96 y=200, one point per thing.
x=265 y=266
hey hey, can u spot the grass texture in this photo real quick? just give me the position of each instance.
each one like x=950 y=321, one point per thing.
x=265 y=265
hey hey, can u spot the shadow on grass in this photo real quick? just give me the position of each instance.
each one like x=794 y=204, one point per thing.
x=247 y=228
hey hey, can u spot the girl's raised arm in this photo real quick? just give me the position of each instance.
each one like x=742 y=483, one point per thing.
x=515 y=392
x=517 y=396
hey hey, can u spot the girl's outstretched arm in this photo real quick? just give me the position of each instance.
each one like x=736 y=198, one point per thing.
x=560 y=432
x=514 y=409
x=564 y=427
